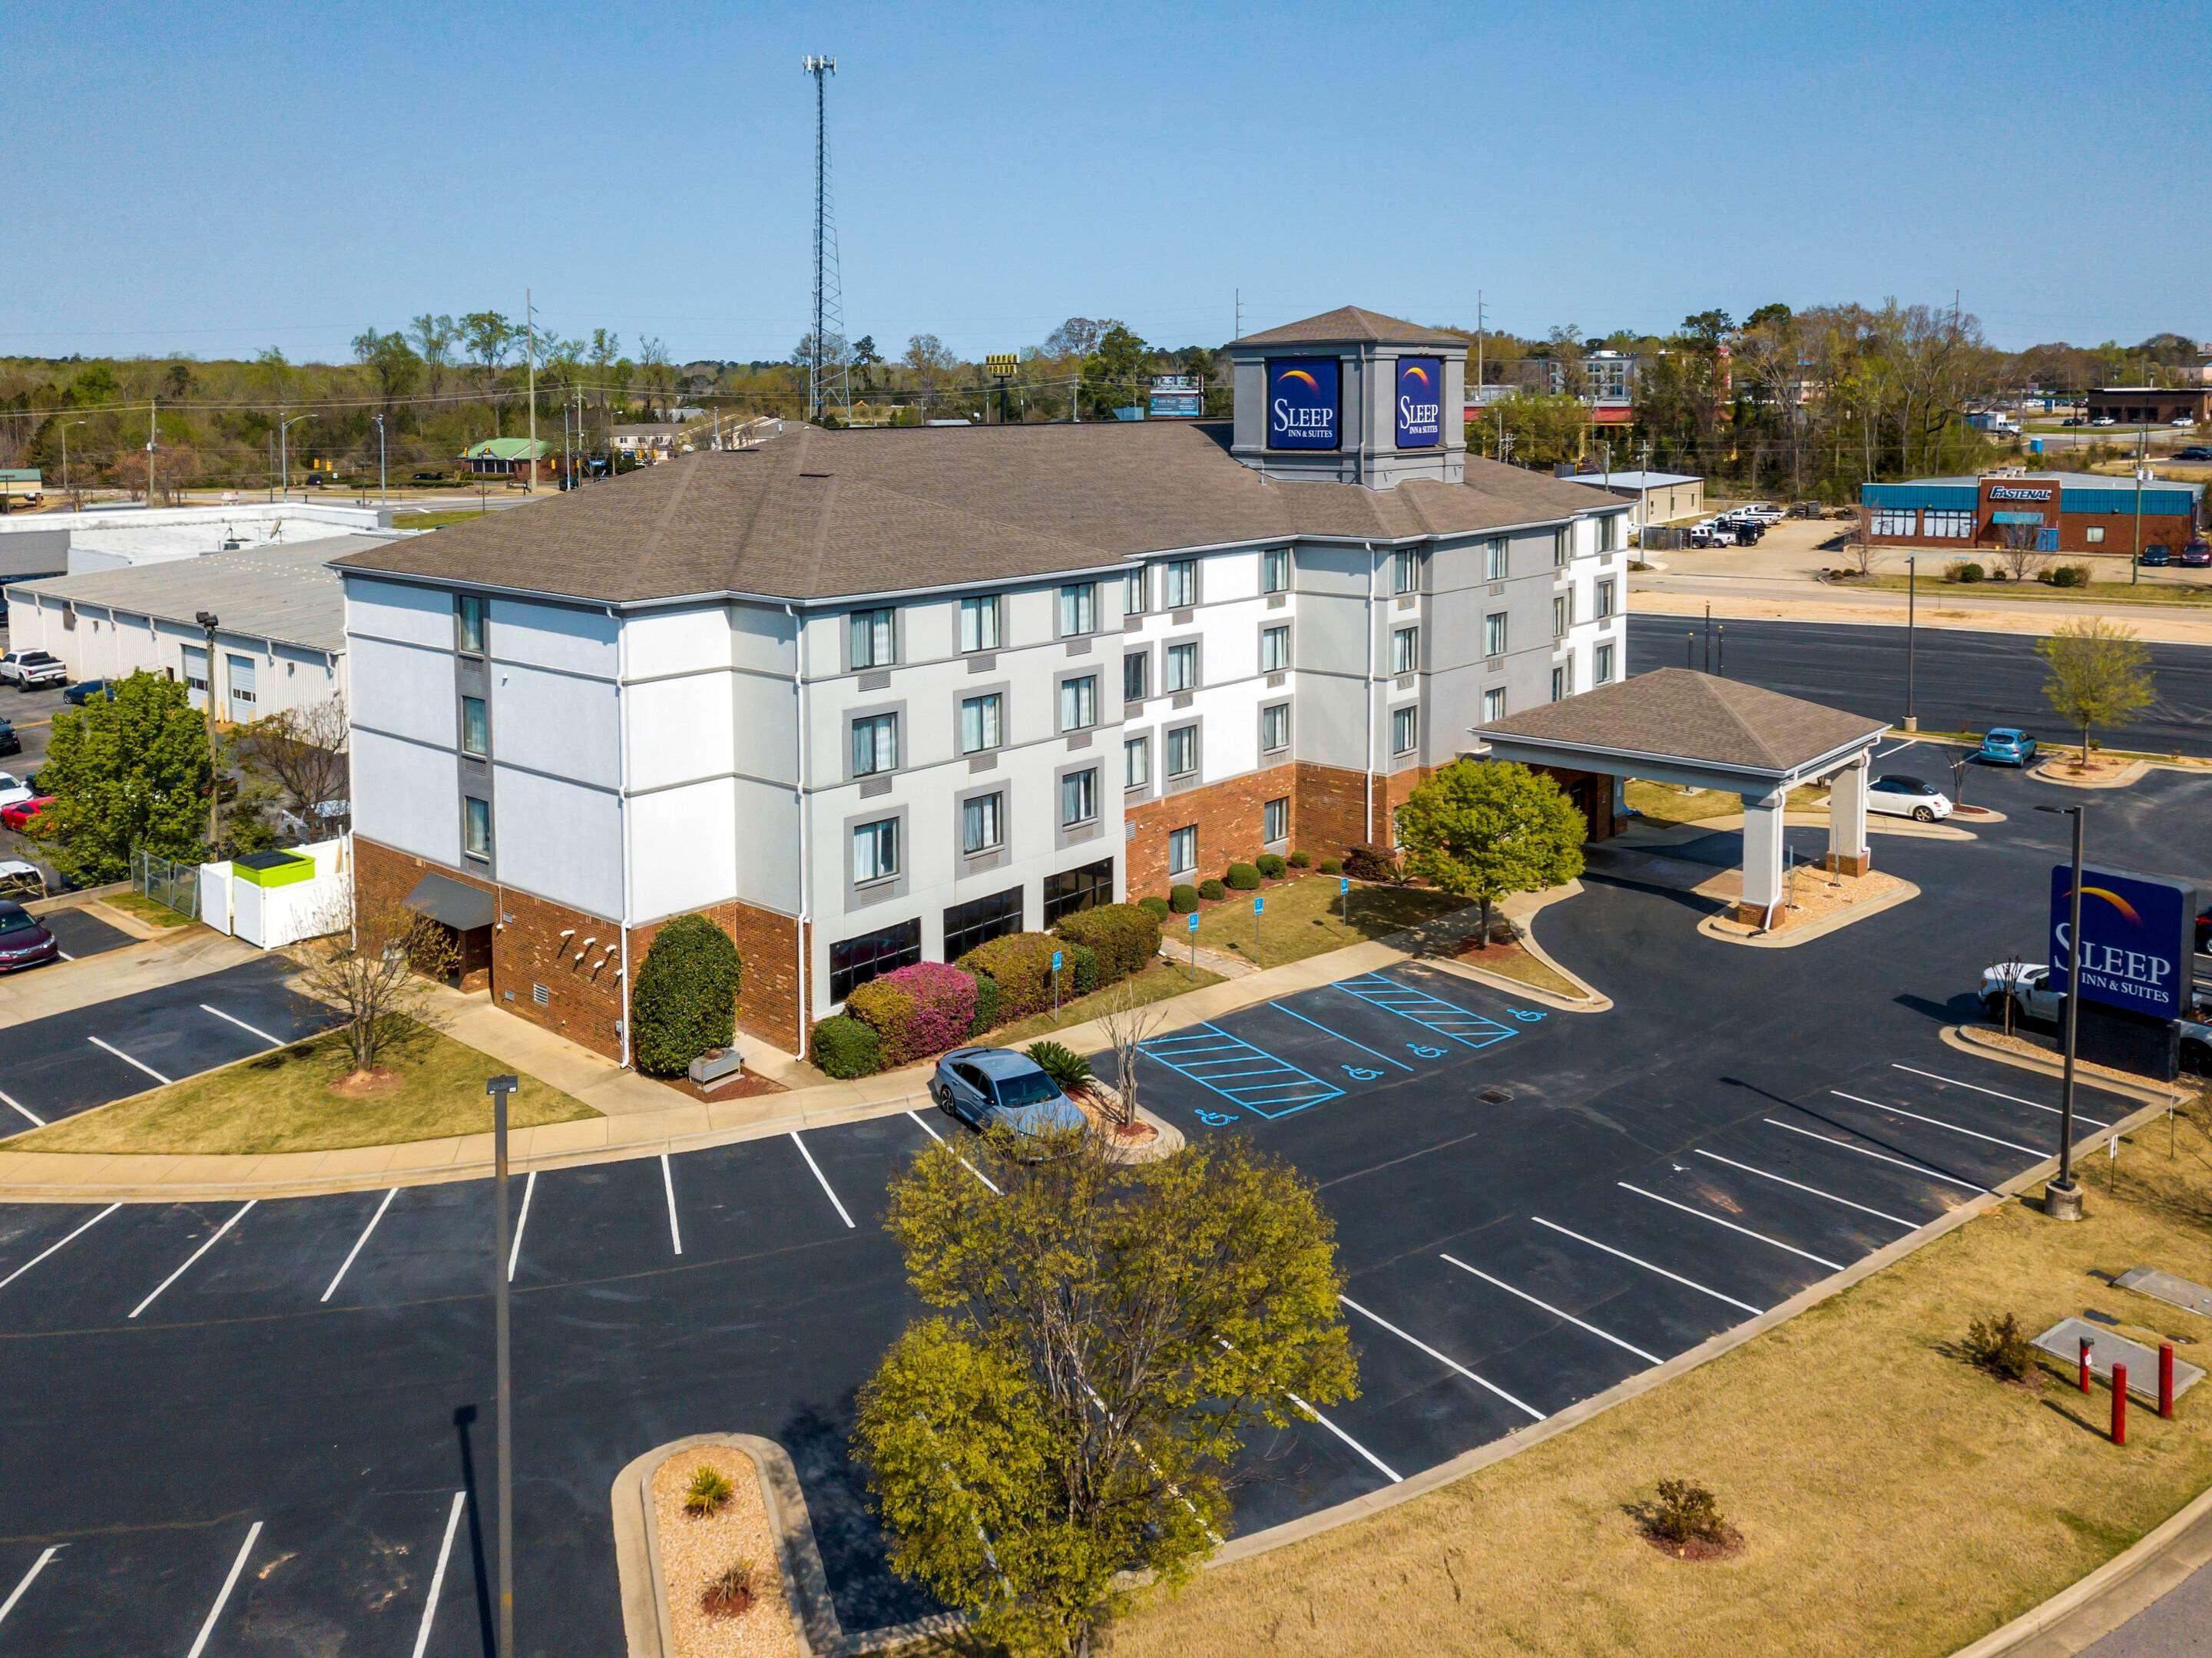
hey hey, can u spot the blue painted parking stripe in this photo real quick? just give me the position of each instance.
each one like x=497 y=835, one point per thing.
x=1430 y=1013
x=1338 y=1035
x=1244 y=1074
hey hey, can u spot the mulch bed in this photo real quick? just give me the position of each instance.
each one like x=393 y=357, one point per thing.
x=744 y=1087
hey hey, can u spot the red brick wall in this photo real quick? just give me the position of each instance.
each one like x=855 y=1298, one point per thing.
x=768 y=999
x=1228 y=816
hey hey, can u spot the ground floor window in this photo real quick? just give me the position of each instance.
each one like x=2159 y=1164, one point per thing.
x=980 y=921
x=1893 y=523
x=1183 y=850
x=2096 y=534
x=853 y=962
x=1275 y=820
x=1947 y=527
x=1083 y=888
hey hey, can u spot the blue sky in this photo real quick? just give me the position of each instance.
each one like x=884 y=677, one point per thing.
x=215 y=178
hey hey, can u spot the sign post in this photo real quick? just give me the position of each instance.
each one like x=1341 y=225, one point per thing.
x=1055 y=983
x=1259 y=909
x=1194 y=944
x=1344 y=892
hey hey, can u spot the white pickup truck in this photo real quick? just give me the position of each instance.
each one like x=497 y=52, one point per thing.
x=25 y=670
x=2034 y=1002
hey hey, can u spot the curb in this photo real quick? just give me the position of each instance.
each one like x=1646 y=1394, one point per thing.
x=2047 y=771
x=1968 y=1039
x=1790 y=939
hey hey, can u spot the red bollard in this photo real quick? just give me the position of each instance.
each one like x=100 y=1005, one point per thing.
x=2166 y=1380
x=2120 y=1404
x=2085 y=1363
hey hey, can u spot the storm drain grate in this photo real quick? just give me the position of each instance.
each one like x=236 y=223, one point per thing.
x=1493 y=1095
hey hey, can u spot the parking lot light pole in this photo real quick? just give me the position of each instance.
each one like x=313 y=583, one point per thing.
x=208 y=620
x=499 y=1088
x=2062 y=1199
x=383 y=485
x=1912 y=595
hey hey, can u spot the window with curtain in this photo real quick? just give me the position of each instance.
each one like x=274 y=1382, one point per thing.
x=1405 y=649
x=874 y=635
x=1079 y=704
x=1136 y=763
x=1405 y=573
x=1179 y=584
x=1133 y=592
x=982 y=822
x=1275 y=727
x=1405 y=729
x=1181 y=666
x=1079 y=797
x=478 y=822
x=1078 y=609
x=1275 y=649
x=1493 y=559
x=1494 y=633
x=1275 y=820
x=875 y=851
x=979 y=623
x=980 y=722
x=470 y=610
x=1183 y=751
x=1601 y=666
x=1183 y=849
x=875 y=745
x=1493 y=704
x=1275 y=570
x=476 y=727
x=1136 y=676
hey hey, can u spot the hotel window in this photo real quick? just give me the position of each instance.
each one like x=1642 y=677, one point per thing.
x=1405 y=573
x=1085 y=887
x=1275 y=570
x=1608 y=533
x=1274 y=728
x=1563 y=544
x=1275 y=649
x=1183 y=850
x=469 y=610
x=875 y=851
x=1133 y=592
x=981 y=723
x=1275 y=820
x=1079 y=704
x=1494 y=633
x=1136 y=676
x=980 y=921
x=1493 y=704
x=979 y=623
x=1601 y=666
x=1183 y=751
x=875 y=745
x=1895 y=523
x=476 y=727
x=1947 y=525
x=853 y=962
x=1079 y=798
x=2096 y=534
x=477 y=843
x=1563 y=614
x=1405 y=650
x=1136 y=763
x=1562 y=680
x=1493 y=559
x=1601 y=599
x=1178 y=584
x=1405 y=729
x=982 y=822
x=1181 y=672
x=872 y=636
x=1078 y=609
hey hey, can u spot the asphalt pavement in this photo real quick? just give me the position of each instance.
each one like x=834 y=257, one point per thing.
x=1962 y=681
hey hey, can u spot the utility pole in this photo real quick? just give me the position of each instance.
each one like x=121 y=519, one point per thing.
x=499 y=1087
x=1911 y=594
x=66 y=432
x=151 y=407
x=1478 y=343
x=383 y=487
x=530 y=356
x=208 y=620
x=284 y=453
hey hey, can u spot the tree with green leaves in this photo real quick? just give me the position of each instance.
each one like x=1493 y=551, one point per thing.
x=129 y=773
x=1482 y=828
x=391 y=361
x=685 y=1002
x=2099 y=674
x=1111 y=371
x=1108 y=1334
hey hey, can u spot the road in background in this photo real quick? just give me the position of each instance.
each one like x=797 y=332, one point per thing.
x=1963 y=681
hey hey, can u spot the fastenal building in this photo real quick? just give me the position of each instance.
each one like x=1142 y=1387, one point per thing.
x=870 y=697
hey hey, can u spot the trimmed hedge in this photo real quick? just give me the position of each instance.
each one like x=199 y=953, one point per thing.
x=1154 y=905
x=1241 y=878
x=1301 y=860
x=1369 y=862
x=916 y=1010
x=987 y=1001
x=1332 y=866
x=1083 y=961
x=843 y=1047
x=1270 y=866
x=685 y=1001
x=1125 y=937
x=1022 y=963
x=1211 y=890
x=1965 y=570
x=1182 y=898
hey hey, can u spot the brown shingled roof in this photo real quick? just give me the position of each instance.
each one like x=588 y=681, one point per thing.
x=1352 y=322
x=817 y=513
x=1679 y=713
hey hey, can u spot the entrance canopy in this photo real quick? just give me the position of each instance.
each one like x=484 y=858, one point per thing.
x=1676 y=726
x=458 y=906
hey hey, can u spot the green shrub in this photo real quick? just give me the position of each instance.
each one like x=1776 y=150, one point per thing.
x=1964 y=570
x=916 y=1010
x=705 y=1493
x=1269 y=865
x=2000 y=1346
x=1211 y=889
x=1154 y=905
x=1301 y=860
x=1332 y=866
x=887 y=1010
x=685 y=1001
x=729 y=1592
x=1022 y=963
x=1066 y=1067
x=1241 y=877
x=1082 y=961
x=1685 y=1514
x=1125 y=935
x=843 y=1047
x=1183 y=898
x=986 y=1002
x=2067 y=575
x=1369 y=862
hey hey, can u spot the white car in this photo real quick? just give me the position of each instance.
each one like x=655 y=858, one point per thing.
x=1907 y=797
x=1754 y=512
x=13 y=788
x=2028 y=984
x=1712 y=533
x=2184 y=422
x=24 y=669
x=2104 y=419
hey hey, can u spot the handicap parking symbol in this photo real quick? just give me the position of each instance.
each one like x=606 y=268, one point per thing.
x=1216 y=1119
x=1360 y=1073
x=1527 y=1014
x=1419 y=1051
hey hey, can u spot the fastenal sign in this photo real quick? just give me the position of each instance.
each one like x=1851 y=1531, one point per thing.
x=2137 y=934
x=1420 y=402
x=2015 y=492
x=1301 y=403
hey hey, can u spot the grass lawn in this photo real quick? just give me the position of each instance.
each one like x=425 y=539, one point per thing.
x=1662 y=802
x=1512 y=961
x=282 y=1102
x=425 y=519
x=1156 y=983
x=148 y=910
x=1892 y=1499
x=1935 y=589
x=1304 y=918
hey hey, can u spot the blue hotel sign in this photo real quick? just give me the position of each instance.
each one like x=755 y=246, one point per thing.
x=1420 y=402
x=1302 y=403
x=2137 y=935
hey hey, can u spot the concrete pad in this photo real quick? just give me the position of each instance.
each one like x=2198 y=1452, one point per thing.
x=2181 y=1291
x=2109 y=1347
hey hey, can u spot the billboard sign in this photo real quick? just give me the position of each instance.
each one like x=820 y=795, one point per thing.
x=2138 y=936
x=1420 y=402
x=1301 y=403
x=1176 y=397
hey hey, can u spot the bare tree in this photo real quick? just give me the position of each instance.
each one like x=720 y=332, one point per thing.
x=1860 y=542
x=1128 y=1024
x=377 y=967
x=302 y=754
x=2019 y=552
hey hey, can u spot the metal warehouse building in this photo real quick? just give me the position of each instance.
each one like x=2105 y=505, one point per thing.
x=2064 y=511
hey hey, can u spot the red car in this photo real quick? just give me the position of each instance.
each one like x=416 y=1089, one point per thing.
x=19 y=815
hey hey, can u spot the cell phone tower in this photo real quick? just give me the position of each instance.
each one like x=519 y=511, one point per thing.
x=829 y=379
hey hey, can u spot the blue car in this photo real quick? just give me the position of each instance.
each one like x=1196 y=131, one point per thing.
x=84 y=691
x=2005 y=745
x=997 y=1088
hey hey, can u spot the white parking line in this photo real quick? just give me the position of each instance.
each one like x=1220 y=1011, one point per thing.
x=668 y=1185
x=1688 y=1209
x=1388 y=1472
x=521 y=1220
x=1924 y=1170
x=251 y=1031
x=1995 y=1094
x=437 y=1577
x=237 y=1566
x=964 y=1163
x=63 y=954
x=821 y=1177
x=357 y=1243
x=37 y=1566
x=1938 y=1122
x=1556 y=1312
x=194 y=1256
x=1812 y=1190
x=1444 y=1359
x=1687 y=1284
x=36 y=1120
x=1895 y=748
x=127 y=1059
x=50 y=1249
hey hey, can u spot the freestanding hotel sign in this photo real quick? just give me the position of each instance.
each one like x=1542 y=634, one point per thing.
x=2138 y=936
x=1302 y=403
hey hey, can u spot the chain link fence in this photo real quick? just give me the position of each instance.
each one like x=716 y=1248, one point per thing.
x=177 y=885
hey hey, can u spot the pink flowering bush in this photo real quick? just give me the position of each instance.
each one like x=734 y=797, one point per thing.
x=916 y=1010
